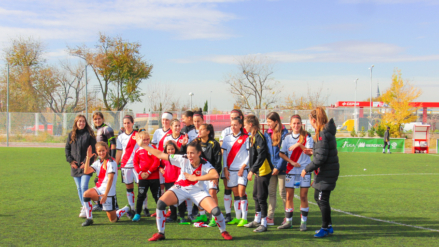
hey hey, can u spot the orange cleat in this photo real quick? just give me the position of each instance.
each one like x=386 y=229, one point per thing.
x=225 y=235
x=154 y=215
x=157 y=237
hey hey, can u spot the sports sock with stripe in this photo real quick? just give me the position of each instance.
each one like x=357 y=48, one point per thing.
x=220 y=222
x=304 y=213
x=237 y=205
x=228 y=201
x=258 y=217
x=244 y=207
x=130 y=197
x=289 y=214
x=122 y=211
x=88 y=207
x=161 y=220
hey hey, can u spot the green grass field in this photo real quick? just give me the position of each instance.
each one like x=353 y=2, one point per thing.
x=40 y=206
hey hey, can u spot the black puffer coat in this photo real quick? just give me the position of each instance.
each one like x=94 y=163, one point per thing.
x=326 y=158
x=77 y=150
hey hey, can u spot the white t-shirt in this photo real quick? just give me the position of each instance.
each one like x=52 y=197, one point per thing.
x=241 y=157
x=304 y=159
x=224 y=133
x=184 y=164
x=102 y=173
x=192 y=135
x=158 y=135
x=121 y=144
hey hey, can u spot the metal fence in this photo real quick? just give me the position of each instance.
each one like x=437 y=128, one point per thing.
x=53 y=127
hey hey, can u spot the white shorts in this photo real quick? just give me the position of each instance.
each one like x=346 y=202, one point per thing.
x=195 y=195
x=235 y=180
x=162 y=179
x=211 y=186
x=110 y=204
x=129 y=175
x=222 y=174
x=295 y=181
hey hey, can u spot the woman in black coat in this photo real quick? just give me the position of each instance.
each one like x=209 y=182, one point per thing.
x=81 y=137
x=325 y=164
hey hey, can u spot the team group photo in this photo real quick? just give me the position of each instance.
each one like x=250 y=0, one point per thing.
x=219 y=123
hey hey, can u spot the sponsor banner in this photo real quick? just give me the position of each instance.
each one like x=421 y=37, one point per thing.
x=369 y=145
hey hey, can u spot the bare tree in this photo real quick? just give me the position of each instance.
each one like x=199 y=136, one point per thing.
x=254 y=86
x=161 y=97
x=315 y=97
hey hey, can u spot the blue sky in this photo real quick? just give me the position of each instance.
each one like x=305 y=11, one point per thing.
x=194 y=44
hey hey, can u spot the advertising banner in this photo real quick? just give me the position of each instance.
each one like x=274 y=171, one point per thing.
x=369 y=145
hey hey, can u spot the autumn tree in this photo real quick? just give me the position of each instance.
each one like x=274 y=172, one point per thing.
x=254 y=86
x=119 y=68
x=398 y=97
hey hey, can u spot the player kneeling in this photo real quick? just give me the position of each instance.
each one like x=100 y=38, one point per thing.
x=105 y=190
x=192 y=170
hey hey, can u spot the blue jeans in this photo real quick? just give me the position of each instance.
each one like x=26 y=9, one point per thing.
x=82 y=186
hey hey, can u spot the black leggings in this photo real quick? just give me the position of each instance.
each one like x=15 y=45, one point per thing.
x=144 y=185
x=181 y=207
x=387 y=144
x=322 y=199
x=260 y=194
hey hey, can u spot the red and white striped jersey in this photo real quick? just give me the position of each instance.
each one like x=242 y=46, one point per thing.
x=102 y=172
x=158 y=136
x=185 y=166
x=178 y=140
x=234 y=158
x=128 y=145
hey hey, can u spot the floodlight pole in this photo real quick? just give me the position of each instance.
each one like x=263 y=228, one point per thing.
x=86 y=94
x=7 y=111
x=370 y=113
x=355 y=105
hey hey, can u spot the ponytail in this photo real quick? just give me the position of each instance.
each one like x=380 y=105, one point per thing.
x=252 y=119
x=319 y=115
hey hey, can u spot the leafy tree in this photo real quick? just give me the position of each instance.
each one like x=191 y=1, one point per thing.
x=206 y=107
x=371 y=132
x=353 y=133
x=362 y=132
x=398 y=97
x=381 y=129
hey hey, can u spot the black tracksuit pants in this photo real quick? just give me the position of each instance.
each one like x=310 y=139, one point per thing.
x=144 y=185
x=181 y=207
x=322 y=199
x=260 y=194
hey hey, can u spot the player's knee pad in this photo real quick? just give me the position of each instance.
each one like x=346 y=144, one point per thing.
x=216 y=211
x=227 y=192
x=161 y=205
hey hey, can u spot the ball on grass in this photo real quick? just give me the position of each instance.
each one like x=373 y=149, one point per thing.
x=365 y=169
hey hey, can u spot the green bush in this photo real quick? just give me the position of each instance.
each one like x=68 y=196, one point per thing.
x=371 y=132
x=353 y=133
x=380 y=131
x=362 y=132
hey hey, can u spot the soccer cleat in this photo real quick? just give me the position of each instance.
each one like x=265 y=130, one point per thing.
x=136 y=217
x=233 y=222
x=201 y=218
x=322 y=233
x=88 y=222
x=330 y=230
x=97 y=208
x=154 y=215
x=286 y=225
x=388 y=152
x=285 y=220
x=226 y=235
x=212 y=222
x=242 y=222
x=303 y=226
x=270 y=222
x=157 y=237
x=252 y=224
x=228 y=218
x=82 y=214
x=184 y=221
x=190 y=217
x=130 y=214
x=260 y=228
x=146 y=212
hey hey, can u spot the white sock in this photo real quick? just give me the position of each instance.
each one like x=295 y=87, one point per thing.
x=161 y=220
x=202 y=212
x=131 y=200
x=88 y=209
x=189 y=207
x=304 y=213
x=145 y=203
x=122 y=211
x=244 y=209
x=264 y=221
x=384 y=150
x=258 y=217
x=289 y=214
x=228 y=203
x=237 y=205
x=221 y=223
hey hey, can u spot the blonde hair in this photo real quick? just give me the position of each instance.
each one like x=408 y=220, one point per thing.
x=105 y=145
x=319 y=115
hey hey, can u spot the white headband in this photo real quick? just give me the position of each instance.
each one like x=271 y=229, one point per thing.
x=167 y=115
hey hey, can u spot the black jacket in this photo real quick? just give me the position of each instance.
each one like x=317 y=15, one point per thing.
x=212 y=153
x=77 y=150
x=259 y=157
x=325 y=157
x=387 y=136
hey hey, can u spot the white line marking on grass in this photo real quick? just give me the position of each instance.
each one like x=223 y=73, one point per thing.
x=370 y=218
x=398 y=174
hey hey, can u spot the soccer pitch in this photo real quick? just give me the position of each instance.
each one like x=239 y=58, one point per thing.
x=380 y=199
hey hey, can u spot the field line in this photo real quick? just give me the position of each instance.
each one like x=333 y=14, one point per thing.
x=397 y=174
x=375 y=219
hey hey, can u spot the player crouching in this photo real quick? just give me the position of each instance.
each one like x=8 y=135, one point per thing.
x=105 y=190
x=192 y=170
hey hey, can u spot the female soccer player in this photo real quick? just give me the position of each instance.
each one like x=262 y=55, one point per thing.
x=176 y=135
x=235 y=113
x=326 y=162
x=198 y=120
x=147 y=166
x=212 y=153
x=104 y=133
x=292 y=151
x=188 y=119
x=171 y=173
x=274 y=136
x=261 y=167
x=126 y=146
x=188 y=186
x=79 y=139
x=105 y=190
x=235 y=160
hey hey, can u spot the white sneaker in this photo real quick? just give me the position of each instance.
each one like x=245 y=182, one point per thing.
x=82 y=214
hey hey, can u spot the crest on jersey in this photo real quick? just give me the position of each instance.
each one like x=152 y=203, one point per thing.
x=239 y=141
x=180 y=141
x=133 y=137
x=198 y=173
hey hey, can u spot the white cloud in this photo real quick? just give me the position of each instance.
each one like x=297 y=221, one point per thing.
x=339 y=52
x=80 y=20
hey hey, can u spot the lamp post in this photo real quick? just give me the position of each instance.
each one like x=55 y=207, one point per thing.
x=370 y=110
x=191 y=94
x=355 y=105
x=86 y=94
